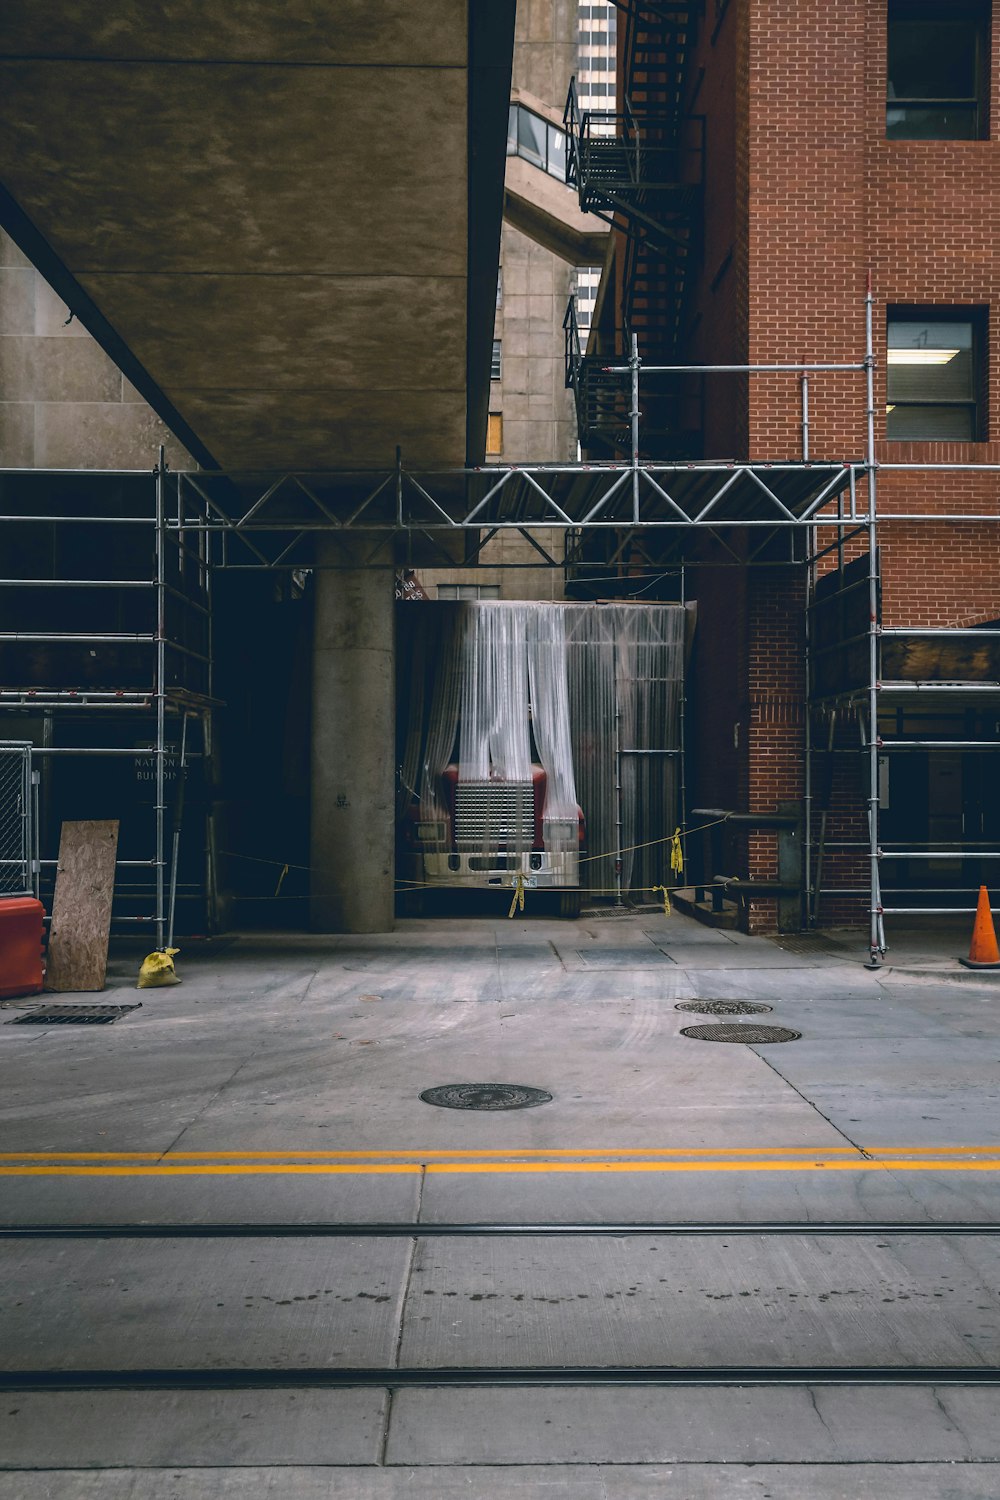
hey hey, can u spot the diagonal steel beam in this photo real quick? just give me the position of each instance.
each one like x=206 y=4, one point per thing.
x=663 y=494
x=326 y=511
x=430 y=500
x=368 y=500
x=493 y=490
x=699 y=518
x=596 y=509
x=227 y=521
x=538 y=547
x=546 y=497
x=789 y=514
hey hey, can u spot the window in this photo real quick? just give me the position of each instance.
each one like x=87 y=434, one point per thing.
x=539 y=142
x=932 y=361
x=496 y=363
x=494 y=435
x=936 y=64
x=500 y=287
x=468 y=591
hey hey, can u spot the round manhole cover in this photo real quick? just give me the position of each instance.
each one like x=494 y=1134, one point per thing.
x=740 y=1031
x=485 y=1096
x=724 y=1007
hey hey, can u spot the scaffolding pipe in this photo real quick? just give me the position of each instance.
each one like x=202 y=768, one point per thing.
x=682 y=715
x=161 y=689
x=807 y=797
x=633 y=415
x=178 y=816
x=728 y=369
x=77 y=583
x=805 y=418
x=876 y=931
x=619 y=840
x=936 y=630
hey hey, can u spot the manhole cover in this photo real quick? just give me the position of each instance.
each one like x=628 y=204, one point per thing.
x=73 y=1015
x=485 y=1096
x=740 y=1031
x=723 y=1007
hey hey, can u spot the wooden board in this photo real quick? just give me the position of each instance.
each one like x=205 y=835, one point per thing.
x=81 y=906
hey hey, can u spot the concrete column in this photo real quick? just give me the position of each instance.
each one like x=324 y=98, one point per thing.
x=353 y=743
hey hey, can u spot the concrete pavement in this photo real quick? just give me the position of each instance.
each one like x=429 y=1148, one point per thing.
x=281 y=1082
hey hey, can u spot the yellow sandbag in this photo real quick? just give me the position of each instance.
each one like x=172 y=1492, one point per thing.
x=158 y=970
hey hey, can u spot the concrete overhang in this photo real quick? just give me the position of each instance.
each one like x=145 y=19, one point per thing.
x=281 y=219
x=549 y=213
x=543 y=208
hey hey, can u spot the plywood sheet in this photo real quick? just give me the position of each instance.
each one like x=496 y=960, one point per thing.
x=81 y=907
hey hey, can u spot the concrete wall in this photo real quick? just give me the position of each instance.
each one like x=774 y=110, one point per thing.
x=353 y=740
x=539 y=422
x=63 y=403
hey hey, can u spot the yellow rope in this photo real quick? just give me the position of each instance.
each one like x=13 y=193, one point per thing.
x=518 y=901
x=675 y=840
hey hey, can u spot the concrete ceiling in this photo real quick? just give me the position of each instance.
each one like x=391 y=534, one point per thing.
x=265 y=211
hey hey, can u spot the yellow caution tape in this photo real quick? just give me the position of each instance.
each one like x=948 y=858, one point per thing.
x=666 y=898
x=281 y=877
x=518 y=901
x=676 y=854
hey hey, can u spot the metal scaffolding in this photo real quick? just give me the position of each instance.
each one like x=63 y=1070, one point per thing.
x=827 y=512
x=166 y=671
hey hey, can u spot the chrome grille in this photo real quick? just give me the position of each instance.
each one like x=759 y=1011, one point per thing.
x=490 y=813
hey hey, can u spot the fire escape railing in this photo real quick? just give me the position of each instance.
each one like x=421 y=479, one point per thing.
x=640 y=168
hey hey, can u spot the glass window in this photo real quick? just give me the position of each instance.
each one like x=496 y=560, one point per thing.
x=556 y=143
x=931 y=390
x=468 y=591
x=531 y=137
x=935 y=72
x=512 y=114
x=496 y=363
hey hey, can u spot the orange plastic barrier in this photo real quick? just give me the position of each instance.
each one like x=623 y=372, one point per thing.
x=22 y=939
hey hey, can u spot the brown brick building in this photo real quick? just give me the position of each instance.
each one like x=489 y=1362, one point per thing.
x=785 y=155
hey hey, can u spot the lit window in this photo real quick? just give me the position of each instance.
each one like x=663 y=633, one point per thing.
x=936 y=71
x=494 y=435
x=931 y=391
x=468 y=591
x=496 y=363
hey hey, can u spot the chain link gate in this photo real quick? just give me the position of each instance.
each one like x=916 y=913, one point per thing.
x=18 y=859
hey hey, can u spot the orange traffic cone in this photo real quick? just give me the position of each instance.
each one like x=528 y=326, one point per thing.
x=983 y=952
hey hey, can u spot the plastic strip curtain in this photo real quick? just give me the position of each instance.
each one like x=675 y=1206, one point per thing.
x=575 y=690
x=428 y=713
x=496 y=785
x=626 y=676
x=550 y=722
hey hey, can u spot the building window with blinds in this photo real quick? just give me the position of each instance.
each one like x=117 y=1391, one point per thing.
x=933 y=368
x=936 y=71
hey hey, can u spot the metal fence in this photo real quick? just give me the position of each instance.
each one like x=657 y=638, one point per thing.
x=17 y=863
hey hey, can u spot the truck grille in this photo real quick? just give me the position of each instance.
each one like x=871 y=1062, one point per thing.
x=490 y=813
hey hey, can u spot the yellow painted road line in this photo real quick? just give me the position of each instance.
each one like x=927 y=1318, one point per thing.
x=508 y=1153
x=255 y=1169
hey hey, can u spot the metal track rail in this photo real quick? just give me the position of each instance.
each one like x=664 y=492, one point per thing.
x=304 y=1377
x=232 y=1379
x=409 y=1230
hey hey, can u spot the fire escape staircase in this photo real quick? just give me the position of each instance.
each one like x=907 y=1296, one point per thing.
x=640 y=168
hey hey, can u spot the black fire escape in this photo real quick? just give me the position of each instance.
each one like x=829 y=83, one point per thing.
x=640 y=167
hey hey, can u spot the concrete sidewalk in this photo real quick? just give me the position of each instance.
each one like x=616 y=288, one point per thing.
x=281 y=1082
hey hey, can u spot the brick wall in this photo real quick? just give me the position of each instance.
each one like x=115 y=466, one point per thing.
x=806 y=196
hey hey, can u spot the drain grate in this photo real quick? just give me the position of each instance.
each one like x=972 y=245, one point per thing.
x=724 y=1007
x=73 y=1015
x=485 y=1096
x=740 y=1031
